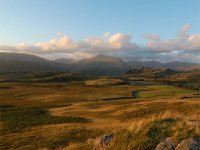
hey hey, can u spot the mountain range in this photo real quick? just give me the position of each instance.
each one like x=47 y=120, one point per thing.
x=98 y=65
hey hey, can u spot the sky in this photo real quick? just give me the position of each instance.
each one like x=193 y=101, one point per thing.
x=161 y=30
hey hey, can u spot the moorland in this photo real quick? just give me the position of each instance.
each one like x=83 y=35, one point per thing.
x=71 y=111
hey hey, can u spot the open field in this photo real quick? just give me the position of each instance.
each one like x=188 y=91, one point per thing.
x=72 y=115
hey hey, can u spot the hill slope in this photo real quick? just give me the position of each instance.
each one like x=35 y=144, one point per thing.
x=20 y=62
x=151 y=72
x=182 y=66
x=101 y=65
x=176 y=65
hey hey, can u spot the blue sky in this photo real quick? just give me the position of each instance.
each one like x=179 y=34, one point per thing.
x=33 y=21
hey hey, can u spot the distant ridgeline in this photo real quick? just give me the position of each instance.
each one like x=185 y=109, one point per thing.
x=97 y=65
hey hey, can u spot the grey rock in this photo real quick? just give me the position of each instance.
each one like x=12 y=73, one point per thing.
x=189 y=144
x=167 y=144
x=102 y=142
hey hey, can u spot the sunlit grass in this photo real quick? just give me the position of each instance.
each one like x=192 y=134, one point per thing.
x=72 y=116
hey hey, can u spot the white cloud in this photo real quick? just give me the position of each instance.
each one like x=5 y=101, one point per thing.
x=22 y=46
x=194 y=42
x=183 y=46
x=119 y=40
x=61 y=43
x=182 y=42
x=183 y=31
x=109 y=42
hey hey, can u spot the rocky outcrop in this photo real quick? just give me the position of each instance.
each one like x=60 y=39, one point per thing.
x=102 y=142
x=189 y=144
x=167 y=144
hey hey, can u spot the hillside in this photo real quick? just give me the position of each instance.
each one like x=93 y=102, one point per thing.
x=165 y=74
x=182 y=66
x=100 y=65
x=20 y=62
x=179 y=66
x=189 y=80
x=151 y=72
x=45 y=77
x=149 y=64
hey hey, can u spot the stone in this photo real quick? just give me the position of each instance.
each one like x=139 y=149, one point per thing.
x=189 y=144
x=102 y=142
x=167 y=144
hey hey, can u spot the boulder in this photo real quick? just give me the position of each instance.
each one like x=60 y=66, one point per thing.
x=102 y=142
x=189 y=144
x=167 y=144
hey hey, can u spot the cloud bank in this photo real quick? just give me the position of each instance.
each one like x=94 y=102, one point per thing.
x=183 y=47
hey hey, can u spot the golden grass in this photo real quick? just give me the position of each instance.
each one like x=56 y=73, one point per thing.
x=133 y=120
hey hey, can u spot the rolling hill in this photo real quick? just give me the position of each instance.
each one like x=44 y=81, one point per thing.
x=176 y=65
x=102 y=65
x=20 y=62
x=151 y=72
x=182 y=66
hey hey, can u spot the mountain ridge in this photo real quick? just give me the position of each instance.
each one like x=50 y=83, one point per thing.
x=100 y=64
